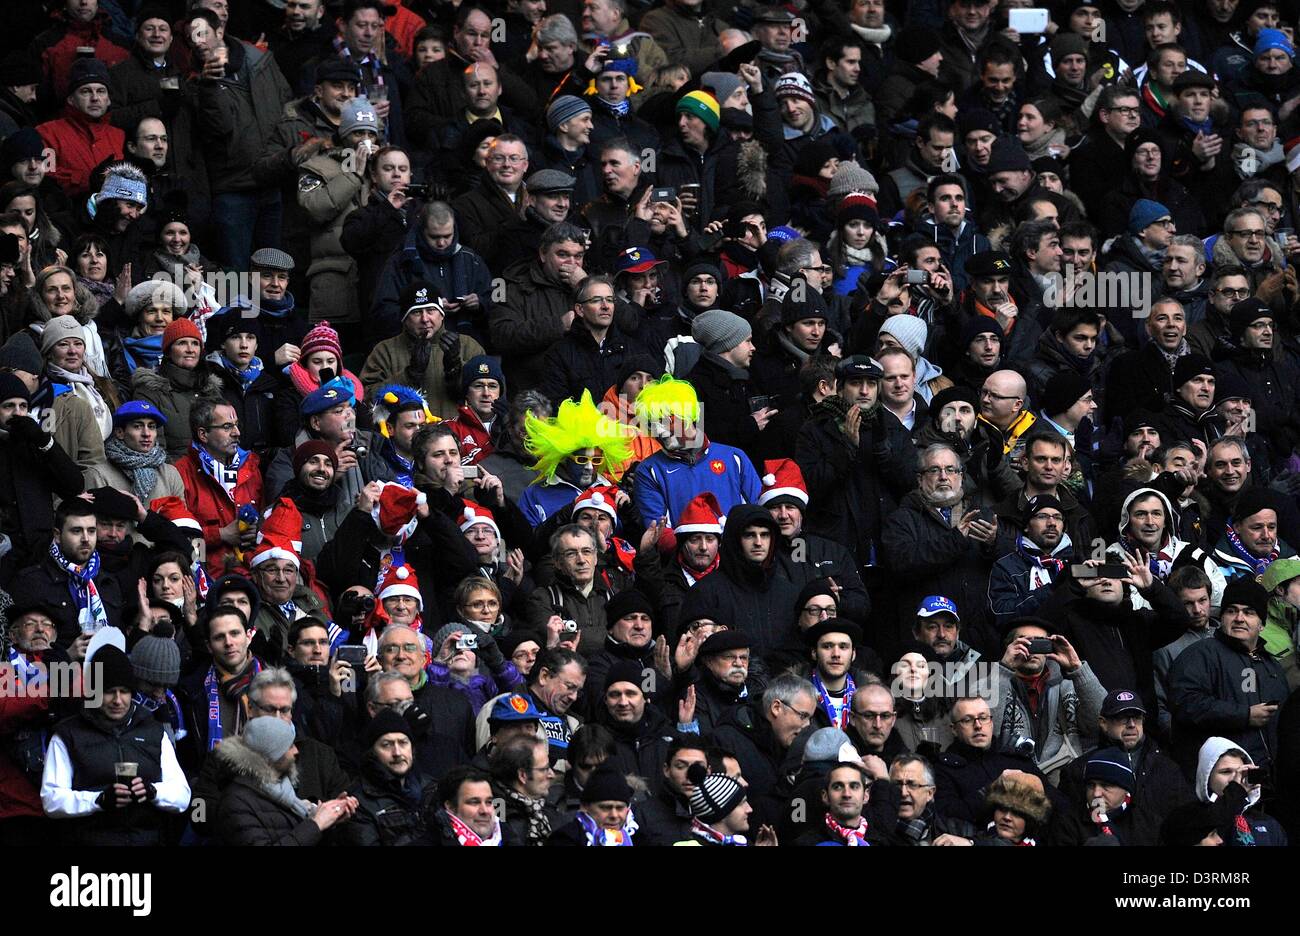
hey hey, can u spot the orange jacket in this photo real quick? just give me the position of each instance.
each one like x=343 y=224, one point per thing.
x=616 y=407
x=80 y=144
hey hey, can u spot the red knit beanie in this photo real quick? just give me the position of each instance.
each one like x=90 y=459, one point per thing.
x=322 y=338
x=181 y=328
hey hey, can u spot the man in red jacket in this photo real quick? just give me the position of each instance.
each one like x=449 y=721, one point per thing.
x=79 y=25
x=83 y=138
x=221 y=478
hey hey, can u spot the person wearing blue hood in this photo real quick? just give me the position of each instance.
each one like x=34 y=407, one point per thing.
x=432 y=251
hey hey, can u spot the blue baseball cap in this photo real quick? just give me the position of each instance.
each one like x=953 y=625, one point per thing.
x=329 y=395
x=937 y=604
x=515 y=707
x=783 y=234
x=636 y=260
x=137 y=409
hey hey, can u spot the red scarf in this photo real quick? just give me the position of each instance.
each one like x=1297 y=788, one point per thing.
x=1035 y=685
x=692 y=576
x=466 y=836
x=857 y=835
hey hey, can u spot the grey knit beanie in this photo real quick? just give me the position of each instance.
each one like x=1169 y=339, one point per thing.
x=156 y=660
x=910 y=330
x=19 y=353
x=563 y=109
x=718 y=331
x=850 y=177
x=722 y=84
x=269 y=736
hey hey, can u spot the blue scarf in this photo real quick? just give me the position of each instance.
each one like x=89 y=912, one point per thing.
x=81 y=585
x=337 y=636
x=403 y=470
x=246 y=377
x=712 y=836
x=174 y=718
x=620 y=110
x=226 y=476
x=1205 y=126
x=142 y=352
x=596 y=836
x=213 y=686
x=824 y=700
x=277 y=308
x=28 y=673
x=1257 y=566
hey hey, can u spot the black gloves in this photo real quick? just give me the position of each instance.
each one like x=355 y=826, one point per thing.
x=449 y=341
x=26 y=429
x=488 y=652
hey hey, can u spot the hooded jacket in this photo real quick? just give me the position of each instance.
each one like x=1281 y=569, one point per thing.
x=1173 y=551
x=760 y=601
x=1263 y=828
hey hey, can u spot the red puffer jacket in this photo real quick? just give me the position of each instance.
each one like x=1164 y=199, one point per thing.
x=474 y=440
x=212 y=508
x=18 y=796
x=80 y=144
x=58 y=45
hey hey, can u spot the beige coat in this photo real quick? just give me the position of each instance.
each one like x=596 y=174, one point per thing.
x=388 y=361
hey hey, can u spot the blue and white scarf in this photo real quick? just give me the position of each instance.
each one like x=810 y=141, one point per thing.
x=81 y=585
x=174 y=717
x=824 y=700
x=29 y=673
x=597 y=836
x=226 y=476
x=620 y=110
x=143 y=351
x=247 y=377
x=1257 y=566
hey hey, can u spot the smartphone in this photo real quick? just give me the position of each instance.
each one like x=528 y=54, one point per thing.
x=1028 y=21
x=352 y=654
x=470 y=472
x=761 y=403
x=918 y=277
x=987 y=514
x=1041 y=645
x=664 y=194
x=1108 y=570
x=417 y=190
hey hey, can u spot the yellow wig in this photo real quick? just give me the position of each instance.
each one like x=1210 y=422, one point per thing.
x=577 y=425
x=668 y=396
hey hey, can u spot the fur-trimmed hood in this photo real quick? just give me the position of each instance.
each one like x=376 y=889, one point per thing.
x=147 y=378
x=87 y=305
x=751 y=170
x=1023 y=795
x=242 y=761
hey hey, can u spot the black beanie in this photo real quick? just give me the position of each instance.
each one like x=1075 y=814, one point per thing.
x=629 y=601
x=628 y=671
x=1063 y=390
x=954 y=394
x=114 y=668
x=1251 y=501
x=977 y=325
x=1246 y=591
x=637 y=362
x=812 y=157
x=1245 y=312
x=915 y=44
x=386 y=722
x=1189 y=366
x=811 y=305
x=606 y=783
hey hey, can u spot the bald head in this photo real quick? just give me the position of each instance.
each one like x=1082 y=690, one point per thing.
x=482 y=89
x=1003 y=398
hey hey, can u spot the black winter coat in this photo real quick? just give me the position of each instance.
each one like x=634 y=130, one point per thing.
x=641 y=748
x=1161 y=787
x=236 y=115
x=927 y=556
x=576 y=363
x=724 y=393
x=255 y=407
x=248 y=816
x=1137 y=380
x=962 y=773
x=767 y=768
x=760 y=601
x=29 y=482
x=388 y=808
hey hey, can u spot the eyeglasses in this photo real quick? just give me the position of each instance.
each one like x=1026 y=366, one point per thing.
x=274 y=709
x=935 y=471
x=1259 y=124
x=1230 y=293
x=1126 y=111
x=1267 y=206
x=912 y=786
x=990 y=395
x=819 y=612
x=483 y=605
x=570 y=554
x=817 y=269
x=804 y=717
x=587 y=459
x=1252 y=234
x=970 y=721
x=546 y=770
x=224 y=427
x=404 y=648
x=512 y=160
x=598 y=300
x=875 y=716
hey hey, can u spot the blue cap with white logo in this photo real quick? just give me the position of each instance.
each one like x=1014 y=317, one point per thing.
x=137 y=409
x=937 y=604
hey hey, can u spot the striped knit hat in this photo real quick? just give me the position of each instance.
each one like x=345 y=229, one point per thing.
x=703 y=105
x=322 y=338
x=715 y=795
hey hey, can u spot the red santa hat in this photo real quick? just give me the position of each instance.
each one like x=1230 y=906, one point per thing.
x=280 y=535
x=783 y=479
x=476 y=515
x=600 y=497
x=394 y=510
x=400 y=580
x=174 y=509
x=701 y=515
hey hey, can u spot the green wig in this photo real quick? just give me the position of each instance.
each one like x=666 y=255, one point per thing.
x=578 y=425
x=668 y=396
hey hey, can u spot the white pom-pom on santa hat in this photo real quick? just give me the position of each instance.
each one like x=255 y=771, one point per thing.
x=769 y=480
x=469 y=513
x=402 y=573
x=598 y=498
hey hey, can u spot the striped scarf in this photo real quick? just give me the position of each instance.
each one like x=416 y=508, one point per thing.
x=81 y=585
x=849 y=835
x=467 y=837
x=1257 y=566
x=539 y=824
x=712 y=836
x=598 y=837
x=226 y=476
